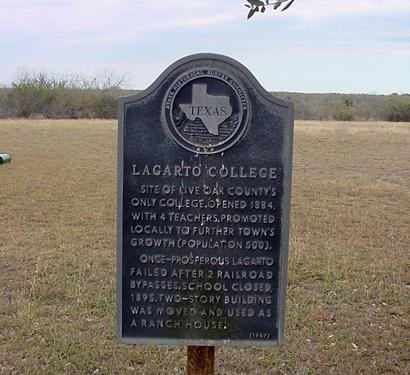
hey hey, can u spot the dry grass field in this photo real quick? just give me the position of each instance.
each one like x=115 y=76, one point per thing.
x=348 y=294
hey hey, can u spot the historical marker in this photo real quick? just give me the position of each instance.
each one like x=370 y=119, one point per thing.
x=204 y=180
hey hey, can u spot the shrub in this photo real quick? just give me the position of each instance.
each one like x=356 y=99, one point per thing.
x=344 y=115
x=397 y=110
x=39 y=94
x=344 y=111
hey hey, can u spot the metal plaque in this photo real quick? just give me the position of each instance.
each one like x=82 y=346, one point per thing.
x=204 y=181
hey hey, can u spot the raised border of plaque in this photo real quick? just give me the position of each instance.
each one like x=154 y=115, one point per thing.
x=191 y=142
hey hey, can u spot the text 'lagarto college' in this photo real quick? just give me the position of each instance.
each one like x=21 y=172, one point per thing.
x=221 y=171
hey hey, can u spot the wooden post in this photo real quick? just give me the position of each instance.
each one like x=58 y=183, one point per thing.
x=200 y=360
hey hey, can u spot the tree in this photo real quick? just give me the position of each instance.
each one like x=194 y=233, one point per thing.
x=256 y=6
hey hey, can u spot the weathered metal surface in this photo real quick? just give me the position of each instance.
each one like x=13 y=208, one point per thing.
x=204 y=180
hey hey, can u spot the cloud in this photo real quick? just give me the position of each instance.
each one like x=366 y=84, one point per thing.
x=147 y=35
x=325 y=9
x=107 y=20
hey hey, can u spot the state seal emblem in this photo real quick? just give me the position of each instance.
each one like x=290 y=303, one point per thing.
x=206 y=111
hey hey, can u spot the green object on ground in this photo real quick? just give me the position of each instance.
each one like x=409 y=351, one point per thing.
x=5 y=158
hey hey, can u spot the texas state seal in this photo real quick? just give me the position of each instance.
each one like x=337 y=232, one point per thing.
x=206 y=111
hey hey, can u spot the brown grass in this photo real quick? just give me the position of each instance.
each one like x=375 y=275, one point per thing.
x=348 y=305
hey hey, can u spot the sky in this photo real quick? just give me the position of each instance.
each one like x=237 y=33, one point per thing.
x=356 y=46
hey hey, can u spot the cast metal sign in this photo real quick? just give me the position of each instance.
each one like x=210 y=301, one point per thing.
x=204 y=180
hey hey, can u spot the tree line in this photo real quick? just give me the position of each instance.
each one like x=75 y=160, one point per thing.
x=41 y=95
x=45 y=95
